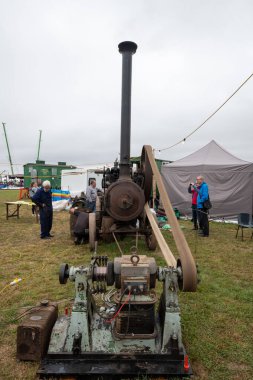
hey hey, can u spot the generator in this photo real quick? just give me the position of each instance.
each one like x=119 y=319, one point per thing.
x=122 y=332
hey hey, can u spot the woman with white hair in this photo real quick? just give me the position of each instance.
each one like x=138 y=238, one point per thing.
x=43 y=199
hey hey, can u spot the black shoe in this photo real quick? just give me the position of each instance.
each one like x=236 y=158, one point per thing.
x=51 y=235
x=45 y=237
x=77 y=241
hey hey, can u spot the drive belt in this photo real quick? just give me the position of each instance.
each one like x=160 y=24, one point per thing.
x=186 y=260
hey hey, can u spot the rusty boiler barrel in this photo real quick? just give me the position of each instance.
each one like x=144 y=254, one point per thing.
x=124 y=200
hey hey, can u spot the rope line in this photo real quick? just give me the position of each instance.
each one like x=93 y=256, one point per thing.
x=209 y=117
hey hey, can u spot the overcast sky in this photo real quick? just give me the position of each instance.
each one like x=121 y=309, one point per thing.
x=60 y=71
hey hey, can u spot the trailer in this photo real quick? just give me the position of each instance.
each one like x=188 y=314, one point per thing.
x=76 y=181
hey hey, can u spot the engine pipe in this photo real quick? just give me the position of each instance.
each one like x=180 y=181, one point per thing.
x=127 y=49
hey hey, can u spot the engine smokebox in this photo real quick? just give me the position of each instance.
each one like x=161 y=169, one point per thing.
x=124 y=200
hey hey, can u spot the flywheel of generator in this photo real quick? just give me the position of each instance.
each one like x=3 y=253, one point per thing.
x=147 y=173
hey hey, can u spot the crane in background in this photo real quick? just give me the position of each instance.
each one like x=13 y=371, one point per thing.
x=8 y=149
x=38 y=155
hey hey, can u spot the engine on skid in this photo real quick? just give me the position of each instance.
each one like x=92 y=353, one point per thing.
x=125 y=331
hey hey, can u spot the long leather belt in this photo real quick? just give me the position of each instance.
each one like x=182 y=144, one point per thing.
x=185 y=256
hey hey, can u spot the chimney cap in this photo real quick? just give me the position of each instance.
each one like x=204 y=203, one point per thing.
x=129 y=46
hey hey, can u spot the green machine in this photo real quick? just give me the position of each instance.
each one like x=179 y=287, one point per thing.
x=131 y=332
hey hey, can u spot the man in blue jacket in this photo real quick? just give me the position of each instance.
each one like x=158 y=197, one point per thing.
x=43 y=199
x=203 y=196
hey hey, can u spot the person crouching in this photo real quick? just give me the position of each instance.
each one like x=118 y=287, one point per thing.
x=81 y=224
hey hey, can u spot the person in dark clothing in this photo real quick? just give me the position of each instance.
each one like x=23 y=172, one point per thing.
x=82 y=224
x=192 y=189
x=203 y=195
x=156 y=201
x=43 y=199
x=32 y=190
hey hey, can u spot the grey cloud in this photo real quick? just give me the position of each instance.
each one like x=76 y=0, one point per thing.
x=60 y=71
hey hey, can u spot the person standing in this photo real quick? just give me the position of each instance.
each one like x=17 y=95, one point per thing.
x=32 y=190
x=91 y=196
x=203 y=195
x=192 y=189
x=43 y=199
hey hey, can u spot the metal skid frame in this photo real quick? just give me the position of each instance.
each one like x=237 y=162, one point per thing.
x=112 y=366
x=73 y=355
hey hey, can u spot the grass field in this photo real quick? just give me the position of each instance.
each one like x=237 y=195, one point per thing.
x=217 y=320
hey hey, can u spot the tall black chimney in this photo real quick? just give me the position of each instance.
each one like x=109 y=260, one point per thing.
x=127 y=49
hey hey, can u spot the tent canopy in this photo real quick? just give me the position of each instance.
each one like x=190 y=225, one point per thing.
x=229 y=178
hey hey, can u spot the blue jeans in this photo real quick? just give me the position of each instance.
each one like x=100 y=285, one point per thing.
x=91 y=206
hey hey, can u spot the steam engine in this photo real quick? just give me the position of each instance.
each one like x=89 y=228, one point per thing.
x=125 y=193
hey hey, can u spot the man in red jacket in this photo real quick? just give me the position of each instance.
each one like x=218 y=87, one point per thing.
x=194 y=194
